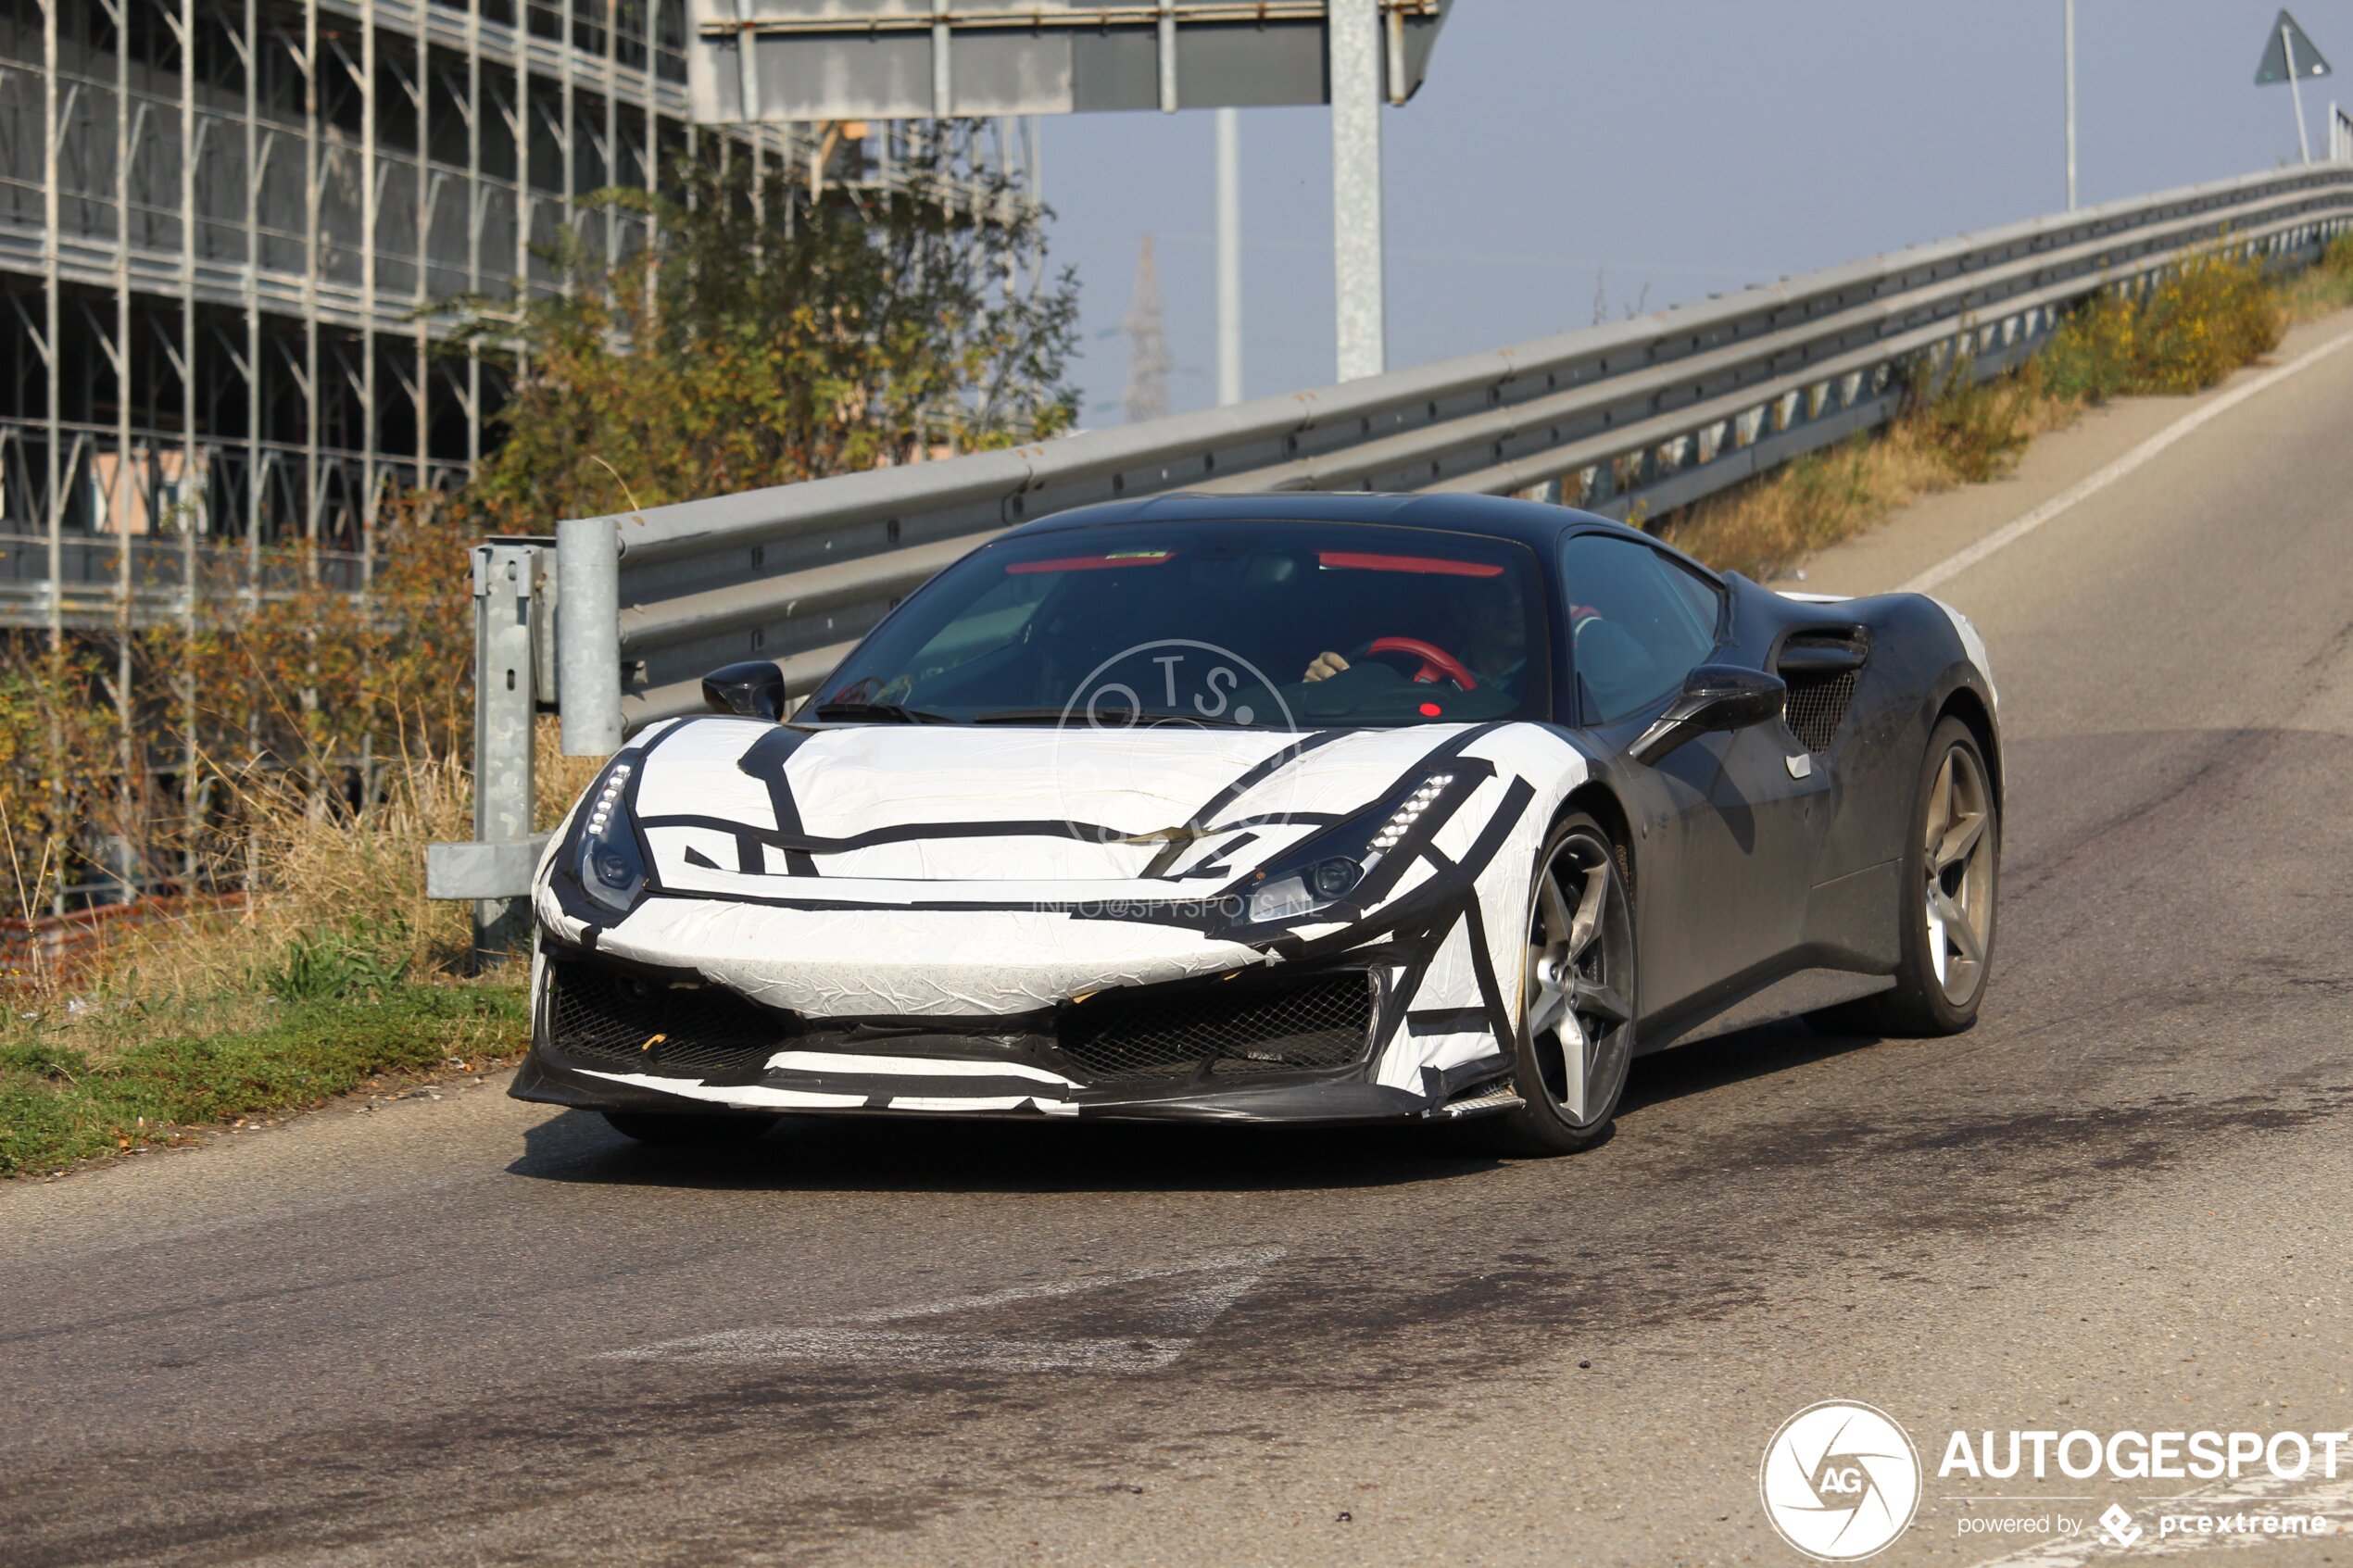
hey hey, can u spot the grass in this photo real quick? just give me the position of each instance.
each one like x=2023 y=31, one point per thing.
x=140 y=1076
x=1951 y=435
x=334 y=971
x=2208 y=319
x=2324 y=289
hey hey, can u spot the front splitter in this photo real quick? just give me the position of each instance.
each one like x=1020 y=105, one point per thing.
x=1335 y=1096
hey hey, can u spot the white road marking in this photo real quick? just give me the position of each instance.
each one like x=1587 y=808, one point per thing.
x=2012 y=531
x=2260 y=1496
x=860 y=1340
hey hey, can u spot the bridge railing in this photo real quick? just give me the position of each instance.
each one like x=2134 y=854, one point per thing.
x=1654 y=412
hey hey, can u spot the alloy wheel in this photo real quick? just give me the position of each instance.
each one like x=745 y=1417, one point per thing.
x=1959 y=871
x=1578 y=974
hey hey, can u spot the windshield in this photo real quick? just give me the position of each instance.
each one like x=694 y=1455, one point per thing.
x=1264 y=624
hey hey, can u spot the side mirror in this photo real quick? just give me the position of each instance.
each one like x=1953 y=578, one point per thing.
x=755 y=689
x=1715 y=697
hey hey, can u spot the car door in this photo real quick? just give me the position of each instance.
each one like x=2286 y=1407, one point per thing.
x=1731 y=817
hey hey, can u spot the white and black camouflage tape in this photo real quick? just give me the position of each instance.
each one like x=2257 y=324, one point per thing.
x=965 y=873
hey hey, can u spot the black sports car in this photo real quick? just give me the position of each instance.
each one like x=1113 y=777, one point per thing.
x=1295 y=806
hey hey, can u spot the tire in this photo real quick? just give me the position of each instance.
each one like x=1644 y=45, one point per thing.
x=1576 y=875
x=1951 y=874
x=672 y=1129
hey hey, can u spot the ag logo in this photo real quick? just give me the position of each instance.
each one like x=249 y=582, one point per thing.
x=1840 y=1481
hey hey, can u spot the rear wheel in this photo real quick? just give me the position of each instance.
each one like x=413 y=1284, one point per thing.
x=687 y=1130
x=1952 y=864
x=1575 y=1033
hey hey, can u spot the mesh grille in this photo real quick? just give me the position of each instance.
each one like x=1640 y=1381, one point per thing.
x=1324 y=1021
x=1817 y=704
x=646 y=1026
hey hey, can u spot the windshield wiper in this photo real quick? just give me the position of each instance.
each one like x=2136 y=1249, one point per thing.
x=889 y=712
x=1133 y=720
x=1021 y=716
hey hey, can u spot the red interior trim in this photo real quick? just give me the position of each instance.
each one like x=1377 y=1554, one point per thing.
x=1433 y=566
x=1091 y=563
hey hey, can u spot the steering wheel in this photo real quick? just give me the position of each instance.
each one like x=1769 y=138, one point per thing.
x=1436 y=661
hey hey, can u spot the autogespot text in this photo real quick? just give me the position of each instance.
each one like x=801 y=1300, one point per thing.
x=2138 y=1456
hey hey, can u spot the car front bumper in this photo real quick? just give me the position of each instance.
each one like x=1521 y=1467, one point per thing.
x=1304 y=1046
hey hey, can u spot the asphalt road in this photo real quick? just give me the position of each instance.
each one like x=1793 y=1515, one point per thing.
x=465 y=1330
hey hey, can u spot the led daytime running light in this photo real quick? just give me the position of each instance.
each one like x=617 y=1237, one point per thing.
x=1401 y=822
x=601 y=813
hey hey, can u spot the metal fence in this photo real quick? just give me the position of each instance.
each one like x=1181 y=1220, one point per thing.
x=1653 y=413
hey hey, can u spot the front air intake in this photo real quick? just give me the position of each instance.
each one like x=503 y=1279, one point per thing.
x=621 y=1022
x=1234 y=1026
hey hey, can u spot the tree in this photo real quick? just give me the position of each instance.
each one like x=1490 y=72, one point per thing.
x=762 y=337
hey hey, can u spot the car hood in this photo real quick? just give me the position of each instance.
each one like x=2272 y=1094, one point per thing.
x=725 y=805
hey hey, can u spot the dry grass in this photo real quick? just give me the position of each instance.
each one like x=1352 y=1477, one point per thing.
x=334 y=971
x=2324 y=289
x=319 y=870
x=2212 y=316
x=1960 y=435
x=336 y=905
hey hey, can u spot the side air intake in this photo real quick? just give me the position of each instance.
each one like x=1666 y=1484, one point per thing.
x=1821 y=669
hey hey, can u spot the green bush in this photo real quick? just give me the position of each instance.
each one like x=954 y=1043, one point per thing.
x=367 y=957
x=2206 y=319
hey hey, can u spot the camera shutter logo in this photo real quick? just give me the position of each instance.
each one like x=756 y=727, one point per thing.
x=1840 y=1481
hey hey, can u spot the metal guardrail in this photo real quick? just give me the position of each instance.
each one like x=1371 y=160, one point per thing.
x=1654 y=412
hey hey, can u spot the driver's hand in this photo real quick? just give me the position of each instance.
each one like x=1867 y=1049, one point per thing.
x=1326 y=666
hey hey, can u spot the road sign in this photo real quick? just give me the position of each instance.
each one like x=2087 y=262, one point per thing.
x=860 y=60
x=2289 y=55
x=914 y=59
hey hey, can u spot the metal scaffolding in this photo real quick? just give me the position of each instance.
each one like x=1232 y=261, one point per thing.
x=224 y=226
x=221 y=222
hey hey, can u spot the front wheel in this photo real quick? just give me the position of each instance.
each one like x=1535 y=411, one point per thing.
x=1576 y=1034
x=686 y=1129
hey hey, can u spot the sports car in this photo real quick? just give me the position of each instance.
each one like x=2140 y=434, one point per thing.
x=1292 y=807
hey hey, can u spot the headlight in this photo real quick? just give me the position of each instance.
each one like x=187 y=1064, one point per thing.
x=1306 y=892
x=1292 y=889
x=612 y=866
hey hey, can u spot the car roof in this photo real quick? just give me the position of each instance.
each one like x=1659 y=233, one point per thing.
x=1530 y=522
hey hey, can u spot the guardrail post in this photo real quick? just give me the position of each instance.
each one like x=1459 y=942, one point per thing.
x=506 y=583
x=588 y=635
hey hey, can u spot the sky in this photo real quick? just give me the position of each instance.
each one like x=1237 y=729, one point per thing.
x=1569 y=156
